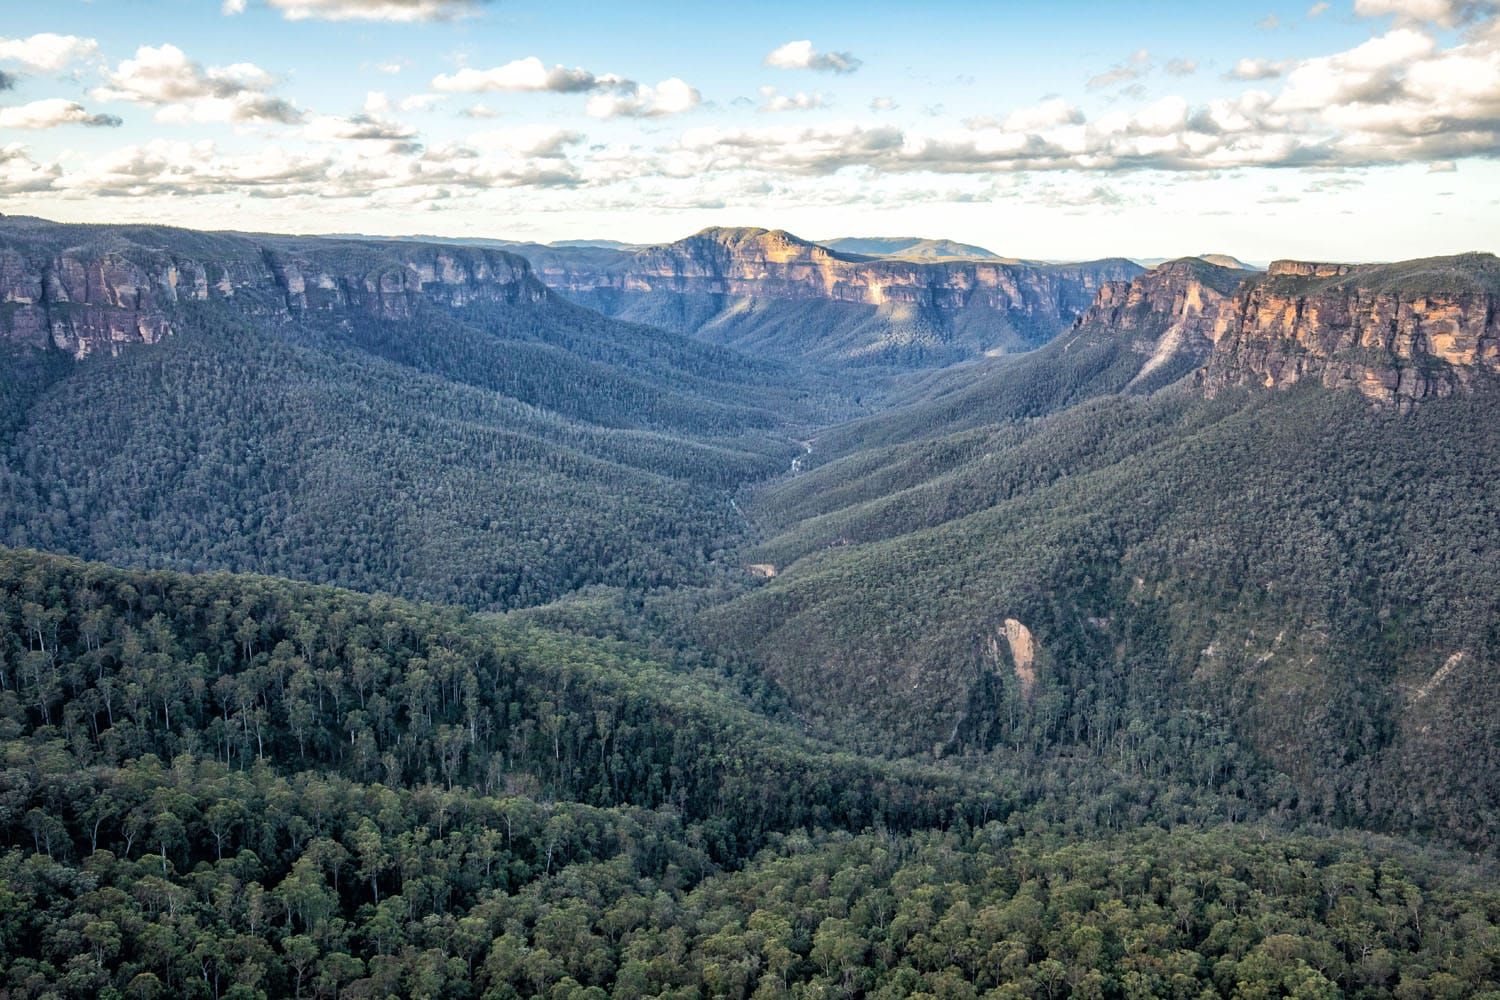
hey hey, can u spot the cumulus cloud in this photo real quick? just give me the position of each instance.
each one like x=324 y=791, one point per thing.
x=1318 y=9
x=1049 y=114
x=357 y=128
x=528 y=140
x=401 y=11
x=771 y=101
x=1137 y=66
x=1446 y=13
x=529 y=74
x=883 y=104
x=802 y=55
x=389 y=171
x=633 y=100
x=185 y=91
x=1257 y=69
x=52 y=112
x=1182 y=67
x=46 y=52
x=20 y=174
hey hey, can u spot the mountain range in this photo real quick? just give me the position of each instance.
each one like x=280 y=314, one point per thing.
x=743 y=616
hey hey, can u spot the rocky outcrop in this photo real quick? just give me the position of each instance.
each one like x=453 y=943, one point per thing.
x=1396 y=333
x=91 y=289
x=1166 y=316
x=946 y=309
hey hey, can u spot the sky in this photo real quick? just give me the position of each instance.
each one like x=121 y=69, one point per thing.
x=1344 y=130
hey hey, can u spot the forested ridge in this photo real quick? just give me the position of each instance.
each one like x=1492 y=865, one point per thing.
x=505 y=459
x=1271 y=579
x=236 y=786
x=481 y=646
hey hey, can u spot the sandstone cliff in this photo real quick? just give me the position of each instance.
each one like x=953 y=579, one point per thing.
x=87 y=289
x=1166 y=316
x=729 y=285
x=1398 y=333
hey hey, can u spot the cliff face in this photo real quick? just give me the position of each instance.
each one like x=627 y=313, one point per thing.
x=1397 y=333
x=86 y=289
x=1167 y=315
x=957 y=307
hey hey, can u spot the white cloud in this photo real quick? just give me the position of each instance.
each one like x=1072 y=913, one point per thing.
x=883 y=104
x=46 y=52
x=1137 y=66
x=421 y=102
x=1258 y=69
x=802 y=55
x=528 y=140
x=1182 y=67
x=20 y=174
x=401 y=11
x=184 y=91
x=1368 y=72
x=229 y=8
x=1318 y=9
x=1048 y=114
x=478 y=111
x=800 y=101
x=51 y=113
x=359 y=128
x=529 y=74
x=669 y=97
x=1446 y=13
x=393 y=171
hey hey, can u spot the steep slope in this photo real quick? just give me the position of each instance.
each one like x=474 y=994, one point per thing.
x=425 y=420
x=1166 y=314
x=1293 y=573
x=1138 y=336
x=772 y=293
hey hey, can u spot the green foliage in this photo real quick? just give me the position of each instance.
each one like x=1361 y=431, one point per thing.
x=1248 y=593
x=488 y=457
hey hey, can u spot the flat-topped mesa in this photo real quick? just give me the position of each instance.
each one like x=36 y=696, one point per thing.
x=1307 y=269
x=87 y=289
x=1397 y=333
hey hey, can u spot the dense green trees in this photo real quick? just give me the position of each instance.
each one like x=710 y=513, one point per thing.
x=1250 y=593
x=459 y=457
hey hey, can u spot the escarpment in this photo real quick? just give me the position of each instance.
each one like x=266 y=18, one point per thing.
x=740 y=286
x=1166 y=315
x=90 y=289
x=1396 y=333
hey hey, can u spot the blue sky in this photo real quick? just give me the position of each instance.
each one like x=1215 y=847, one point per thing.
x=1358 y=129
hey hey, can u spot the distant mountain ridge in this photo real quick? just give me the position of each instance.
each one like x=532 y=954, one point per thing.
x=913 y=248
x=87 y=289
x=774 y=293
